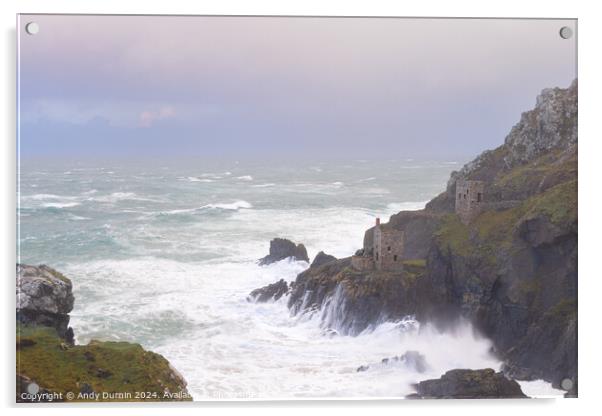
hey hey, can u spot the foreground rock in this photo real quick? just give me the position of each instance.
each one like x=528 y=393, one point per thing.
x=469 y=384
x=48 y=359
x=281 y=248
x=44 y=297
x=270 y=292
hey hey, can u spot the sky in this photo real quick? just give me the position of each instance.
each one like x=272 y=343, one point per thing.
x=281 y=87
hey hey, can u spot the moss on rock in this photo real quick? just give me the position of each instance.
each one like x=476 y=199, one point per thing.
x=102 y=367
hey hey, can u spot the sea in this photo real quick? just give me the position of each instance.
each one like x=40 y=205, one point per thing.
x=164 y=254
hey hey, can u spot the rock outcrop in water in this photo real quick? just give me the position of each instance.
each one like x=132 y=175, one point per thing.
x=469 y=384
x=270 y=292
x=281 y=248
x=411 y=360
x=48 y=360
x=511 y=270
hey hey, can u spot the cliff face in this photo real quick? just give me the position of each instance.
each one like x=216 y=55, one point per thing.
x=48 y=358
x=512 y=270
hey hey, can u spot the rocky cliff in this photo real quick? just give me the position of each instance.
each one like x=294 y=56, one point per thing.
x=512 y=271
x=50 y=367
x=350 y=301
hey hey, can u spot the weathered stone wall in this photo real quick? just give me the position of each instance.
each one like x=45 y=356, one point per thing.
x=388 y=248
x=469 y=199
x=362 y=263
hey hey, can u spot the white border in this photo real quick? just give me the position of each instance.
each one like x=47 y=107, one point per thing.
x=590 y=94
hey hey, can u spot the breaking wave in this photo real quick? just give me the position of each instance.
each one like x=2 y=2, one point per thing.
x=60 y=204
x=229 y=206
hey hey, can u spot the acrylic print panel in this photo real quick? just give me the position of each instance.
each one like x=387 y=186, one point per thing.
x=219 y=208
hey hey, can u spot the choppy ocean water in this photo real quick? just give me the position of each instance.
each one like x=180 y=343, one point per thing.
x=164 y=254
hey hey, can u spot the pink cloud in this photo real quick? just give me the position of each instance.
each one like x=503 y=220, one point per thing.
x=148 y=117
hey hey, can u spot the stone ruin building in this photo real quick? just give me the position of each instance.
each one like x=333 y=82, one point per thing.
x=469 y=199
x=386 y=253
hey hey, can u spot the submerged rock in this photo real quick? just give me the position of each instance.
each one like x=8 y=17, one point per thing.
x=322 y=258
x=329 y=333
x=272 y=291
x=469 y=384
x=281 y=248
x=44 y=297
x=415 y=361
x=411 y=360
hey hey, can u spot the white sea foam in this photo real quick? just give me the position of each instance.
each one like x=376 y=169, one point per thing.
x=245 y=178
x=375 y=191
x=229 y=206
x=186 y=262
x=78 y=217
x=405 y=206
x=264 y=185
x=195 y=179
x=122 y=196
x=225 y=345
x=178 y=211
x=115 y=196
x=236 y=205
x=42 y=197
x=60 y=204
x=540 y=389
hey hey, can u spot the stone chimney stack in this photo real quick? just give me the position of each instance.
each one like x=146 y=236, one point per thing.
x=377 y=221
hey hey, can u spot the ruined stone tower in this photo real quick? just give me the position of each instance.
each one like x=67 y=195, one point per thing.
x=388 y=248
x=469 y=199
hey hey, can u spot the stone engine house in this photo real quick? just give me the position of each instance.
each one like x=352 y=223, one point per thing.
x=469 y=199
x=388 y=248
x=386 y=253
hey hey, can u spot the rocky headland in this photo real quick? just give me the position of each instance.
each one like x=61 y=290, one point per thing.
x=505 y=258
x=51 y=367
